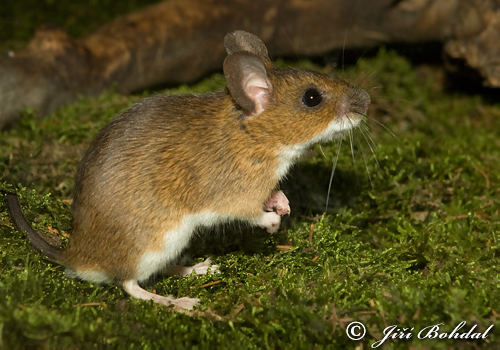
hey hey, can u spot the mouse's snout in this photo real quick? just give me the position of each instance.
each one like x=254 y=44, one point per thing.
x=355 y=102
x=359 y=101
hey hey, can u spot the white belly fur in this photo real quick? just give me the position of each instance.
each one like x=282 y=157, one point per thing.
x=96 y=276
x=174 y=243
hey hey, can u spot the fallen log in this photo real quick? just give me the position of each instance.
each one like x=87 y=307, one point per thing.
x=179 y=41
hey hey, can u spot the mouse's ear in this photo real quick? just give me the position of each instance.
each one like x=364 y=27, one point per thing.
x=246 y=79
x=244 y=41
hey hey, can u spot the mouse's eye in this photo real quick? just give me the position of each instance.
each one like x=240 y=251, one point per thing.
x=312 y=97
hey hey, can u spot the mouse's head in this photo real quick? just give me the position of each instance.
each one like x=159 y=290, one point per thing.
x=288 y=106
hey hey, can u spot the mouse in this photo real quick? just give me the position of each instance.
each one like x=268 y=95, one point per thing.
x=173 y=164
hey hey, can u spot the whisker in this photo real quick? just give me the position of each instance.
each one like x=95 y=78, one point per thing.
x=385 y=127
x=352 y=148
x=343 y=51
x=366 y=133
x=333 y=172
x=367 y=138
x=364 y=160
x=364 y=77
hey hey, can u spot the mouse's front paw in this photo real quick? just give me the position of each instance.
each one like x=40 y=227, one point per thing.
x=270 y=221
x=277 y=200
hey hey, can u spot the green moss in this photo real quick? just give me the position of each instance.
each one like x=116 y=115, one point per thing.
x=414 y=245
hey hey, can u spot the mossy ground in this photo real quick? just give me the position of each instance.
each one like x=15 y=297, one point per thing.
x=415 y=243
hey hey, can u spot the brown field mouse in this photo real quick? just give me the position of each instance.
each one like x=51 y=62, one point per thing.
x=174 y=163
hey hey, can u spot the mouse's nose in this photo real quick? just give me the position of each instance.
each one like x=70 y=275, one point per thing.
x=360 y=100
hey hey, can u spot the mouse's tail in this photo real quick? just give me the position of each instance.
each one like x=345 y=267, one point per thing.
x=52 y=253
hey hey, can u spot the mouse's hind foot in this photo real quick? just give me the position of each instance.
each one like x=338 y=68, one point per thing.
x=136 y=291
x=203 y=268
